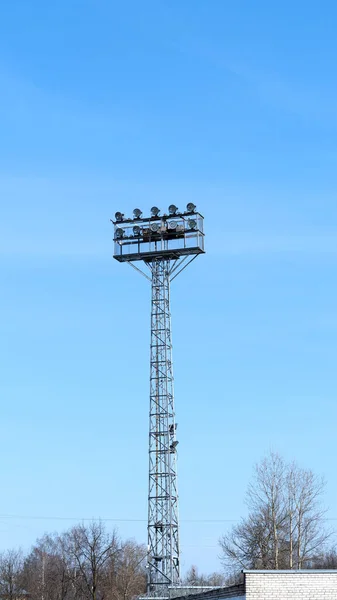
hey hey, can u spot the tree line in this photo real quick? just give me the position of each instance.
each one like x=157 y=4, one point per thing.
x=285 y=529
x=87 y=562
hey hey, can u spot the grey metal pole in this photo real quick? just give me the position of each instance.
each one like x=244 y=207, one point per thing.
x=163 y=520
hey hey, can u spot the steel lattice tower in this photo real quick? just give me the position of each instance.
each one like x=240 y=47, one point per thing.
x=166 y=245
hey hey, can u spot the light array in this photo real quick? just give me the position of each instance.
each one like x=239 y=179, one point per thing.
x=173 y=211
x=157 y=224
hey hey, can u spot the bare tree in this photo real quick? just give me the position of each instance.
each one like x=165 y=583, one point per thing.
x=247 y=545
x=194 y=578
x=285 y=524
x=305 y=516
x=45 y=573
x=126 y=572
x=327 y=560
x=266 y=500
x=11 y=565
x=88 y=550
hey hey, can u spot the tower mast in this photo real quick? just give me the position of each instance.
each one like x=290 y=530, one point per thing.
x=165 y=245
x=163 y=525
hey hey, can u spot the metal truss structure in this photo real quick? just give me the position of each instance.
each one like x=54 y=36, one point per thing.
x=165 y=250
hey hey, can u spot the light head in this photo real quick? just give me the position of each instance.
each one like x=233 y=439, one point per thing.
x=119 y=217
x=172 y=225
x=192 y=223
x=155 y=211
x=191 y=207
x=119 y=233
x=173 y=209
x=137 y=213
x=136 y=231
x=154 y=227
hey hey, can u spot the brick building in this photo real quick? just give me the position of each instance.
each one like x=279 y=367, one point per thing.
x=277 y=585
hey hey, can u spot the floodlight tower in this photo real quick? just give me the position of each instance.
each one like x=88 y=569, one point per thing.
x=164 y=245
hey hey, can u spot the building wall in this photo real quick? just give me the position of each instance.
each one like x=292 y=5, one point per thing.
x=182 y=593
x=291 y=586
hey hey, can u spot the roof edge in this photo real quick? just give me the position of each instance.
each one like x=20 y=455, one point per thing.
x=293 y=572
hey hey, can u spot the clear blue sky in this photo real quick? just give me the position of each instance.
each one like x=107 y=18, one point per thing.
x=106 y=106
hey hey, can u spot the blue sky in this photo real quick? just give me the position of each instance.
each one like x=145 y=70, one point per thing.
x=106 y=106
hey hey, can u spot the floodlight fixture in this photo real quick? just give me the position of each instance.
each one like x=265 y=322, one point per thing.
x=191 y=207
x=119 y=233
x=119 y=217
x=136 y=230
x=192 y=223
x=172 y=225
x=174 y=445
x=173 y=209
x=154 y=227
x=137 y=213
x=155 y=211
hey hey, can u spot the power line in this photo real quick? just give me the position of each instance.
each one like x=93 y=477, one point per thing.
x=118 y=520
x=107 y=519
